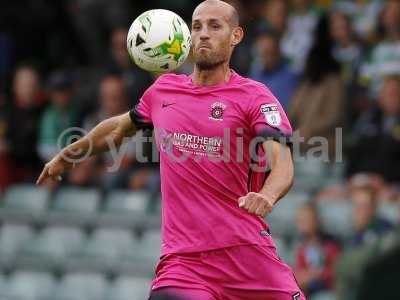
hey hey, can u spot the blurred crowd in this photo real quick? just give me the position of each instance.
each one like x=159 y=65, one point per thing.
x=332 y=64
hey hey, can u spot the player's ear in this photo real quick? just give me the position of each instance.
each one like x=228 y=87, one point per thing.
x=237 y=35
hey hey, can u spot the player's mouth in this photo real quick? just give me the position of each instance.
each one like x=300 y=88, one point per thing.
x=204 y=46
x=203 y=49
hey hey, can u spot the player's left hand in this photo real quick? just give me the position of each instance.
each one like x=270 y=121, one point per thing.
x=256 y=203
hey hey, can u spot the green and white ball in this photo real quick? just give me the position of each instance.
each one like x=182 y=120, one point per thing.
x=159 y=41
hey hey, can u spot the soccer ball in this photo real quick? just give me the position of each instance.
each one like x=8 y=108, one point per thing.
x=158 y=41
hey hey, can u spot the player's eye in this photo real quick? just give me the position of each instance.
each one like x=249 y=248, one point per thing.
x=215 y=26
x=195 y=27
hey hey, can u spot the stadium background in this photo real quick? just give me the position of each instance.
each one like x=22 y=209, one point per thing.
x=63 y=64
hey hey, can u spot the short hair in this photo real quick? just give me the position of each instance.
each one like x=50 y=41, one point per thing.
x=234 y=19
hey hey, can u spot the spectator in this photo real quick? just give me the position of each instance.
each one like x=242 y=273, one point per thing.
x=298 y=37
x=377 y=132
x=119 y=55
x=315 y=255
x=136 y=82
x=135 y=79
x=112 y=101
x=19 y=160
x=385 y=192
x=348 y=52
x=252 y=19
x=94 y=19
x=275 y=14
x=370 y=234
x=272 y=70
x=316 y=108
x=380 y=274
x=385 y=57
x=390 y=21
x=58 y=117
x=368 y=227
x=364 y=15
x=379 y=278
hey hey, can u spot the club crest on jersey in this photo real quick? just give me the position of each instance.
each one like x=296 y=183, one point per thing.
x=217 y=111
x=271 y=114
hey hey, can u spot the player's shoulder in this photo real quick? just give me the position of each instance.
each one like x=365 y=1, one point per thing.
x=255 y=87
x=169 y=78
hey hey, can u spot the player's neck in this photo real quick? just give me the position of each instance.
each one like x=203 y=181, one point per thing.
x=215 y=76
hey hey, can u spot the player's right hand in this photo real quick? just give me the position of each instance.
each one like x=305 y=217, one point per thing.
x=256 y=203
x=54 y=169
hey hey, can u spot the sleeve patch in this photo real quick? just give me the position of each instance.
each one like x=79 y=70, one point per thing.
x=271 y=114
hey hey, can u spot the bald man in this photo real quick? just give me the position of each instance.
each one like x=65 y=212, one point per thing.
x=208 y=128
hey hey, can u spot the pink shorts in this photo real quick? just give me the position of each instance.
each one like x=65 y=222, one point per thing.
x=248 y=272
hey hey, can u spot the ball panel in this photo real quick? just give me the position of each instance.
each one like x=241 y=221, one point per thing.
x=159 y=40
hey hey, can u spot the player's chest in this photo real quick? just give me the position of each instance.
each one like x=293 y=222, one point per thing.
x=209 y=116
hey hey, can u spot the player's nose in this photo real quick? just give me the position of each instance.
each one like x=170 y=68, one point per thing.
x=204 y=34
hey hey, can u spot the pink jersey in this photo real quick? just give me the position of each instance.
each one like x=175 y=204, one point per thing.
x=204 y=134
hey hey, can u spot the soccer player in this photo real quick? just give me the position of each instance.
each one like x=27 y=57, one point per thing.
x=215 y=243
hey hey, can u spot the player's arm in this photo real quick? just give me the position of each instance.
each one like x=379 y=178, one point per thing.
x=278 y=182
x=108 y=133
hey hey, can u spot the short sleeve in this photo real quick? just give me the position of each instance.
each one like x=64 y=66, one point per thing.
x=268 y=119
x=141 y=113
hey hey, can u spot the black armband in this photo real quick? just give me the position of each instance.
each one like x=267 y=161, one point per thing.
x=138 y=120
x=276 y=135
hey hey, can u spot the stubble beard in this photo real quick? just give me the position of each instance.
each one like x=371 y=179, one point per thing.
x=209 y=62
